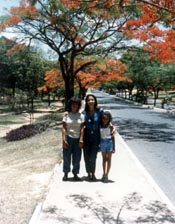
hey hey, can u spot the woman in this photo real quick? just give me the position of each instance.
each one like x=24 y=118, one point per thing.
x=72 y=136
x=91 y=135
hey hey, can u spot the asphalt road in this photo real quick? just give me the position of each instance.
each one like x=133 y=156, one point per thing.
x=151 y=136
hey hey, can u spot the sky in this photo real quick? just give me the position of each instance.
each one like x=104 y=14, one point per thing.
x=7 y=4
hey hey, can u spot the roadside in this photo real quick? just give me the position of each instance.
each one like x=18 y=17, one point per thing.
x=26 y=168
x=165 y=101
x=167 y=110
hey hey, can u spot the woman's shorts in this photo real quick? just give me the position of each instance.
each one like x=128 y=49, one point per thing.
x=106 y=145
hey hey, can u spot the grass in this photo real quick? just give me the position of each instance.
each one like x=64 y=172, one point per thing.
x=11 y=118
x=26 y=167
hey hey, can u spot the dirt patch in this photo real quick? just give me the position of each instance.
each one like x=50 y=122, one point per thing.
x=26 y=168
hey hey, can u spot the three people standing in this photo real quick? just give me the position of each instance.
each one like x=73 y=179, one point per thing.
x=82 y=129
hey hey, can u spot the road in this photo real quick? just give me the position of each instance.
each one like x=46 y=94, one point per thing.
x=151 y=136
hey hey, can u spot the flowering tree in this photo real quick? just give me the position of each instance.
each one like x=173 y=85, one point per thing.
x=53 y=80
x=82 y=28
x=105 y=70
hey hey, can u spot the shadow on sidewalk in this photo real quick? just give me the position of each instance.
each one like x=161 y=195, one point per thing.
x=130 y=210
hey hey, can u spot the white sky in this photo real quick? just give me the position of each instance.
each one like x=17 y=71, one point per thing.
x=7 y=4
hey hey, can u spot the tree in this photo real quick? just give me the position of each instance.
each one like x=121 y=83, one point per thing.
x=7 y=78
x=148 y=75
x=82 y=28
x=21 y=71
x=154 y=26
x=109 y=69
x=53 y=80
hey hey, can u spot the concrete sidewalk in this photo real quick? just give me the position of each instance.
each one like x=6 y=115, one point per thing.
x=131 y=196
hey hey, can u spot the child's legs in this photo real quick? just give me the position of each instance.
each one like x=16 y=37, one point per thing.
x=103 y=149
x=106 y=148
x=109 y=158
x=104 y=159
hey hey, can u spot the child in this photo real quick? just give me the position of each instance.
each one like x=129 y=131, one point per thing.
x=107 y=143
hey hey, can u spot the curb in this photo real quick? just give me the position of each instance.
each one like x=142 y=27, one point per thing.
x=35 y=216
x=172 y=112
x=151 y=181
x=38 y=209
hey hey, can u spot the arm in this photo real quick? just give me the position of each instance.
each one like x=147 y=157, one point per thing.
x=113 y=140
x=112 y=129
x=113 y=136
x=81 y=135
x=65 y=144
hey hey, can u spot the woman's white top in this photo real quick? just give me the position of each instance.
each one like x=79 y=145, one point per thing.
x=73 y=122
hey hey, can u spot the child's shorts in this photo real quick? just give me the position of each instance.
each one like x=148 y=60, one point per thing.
x=106 y=145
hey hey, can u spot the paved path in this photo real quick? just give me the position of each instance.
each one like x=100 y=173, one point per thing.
x=130 y=197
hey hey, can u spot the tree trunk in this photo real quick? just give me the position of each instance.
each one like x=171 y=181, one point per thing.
x=155 y=98
x=68 y=77
x=49 y=102
x=82 y=92
x=69 y=91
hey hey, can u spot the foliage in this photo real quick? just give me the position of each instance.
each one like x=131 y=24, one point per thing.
x=148 y=75
x=60 y=93
x=22 y=68
x=25 y=131
x=53 y=80
x=110 y=86
x=103 y=71
x=79 y=29
x=154 y=27
x=72 y=29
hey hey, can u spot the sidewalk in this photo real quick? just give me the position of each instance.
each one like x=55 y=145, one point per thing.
x=130 y=197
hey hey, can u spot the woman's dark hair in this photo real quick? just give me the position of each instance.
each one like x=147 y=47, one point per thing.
x=74 y=99
x=107 y=113
x=86 y=102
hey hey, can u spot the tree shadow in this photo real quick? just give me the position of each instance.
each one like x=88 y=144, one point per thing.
x=165 y=115
x=136 y=129
x=159 y=213
x=106 y=213
x=131 y=209
x=153 y=212
x=51 y=210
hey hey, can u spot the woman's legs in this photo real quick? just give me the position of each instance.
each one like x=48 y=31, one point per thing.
x=93 y=158
x=90 y=154
x=86 y=158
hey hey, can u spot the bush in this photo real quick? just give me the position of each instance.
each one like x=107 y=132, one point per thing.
x=25 y=131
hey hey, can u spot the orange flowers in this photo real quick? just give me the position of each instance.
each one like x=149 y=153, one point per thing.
x=52 y=79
